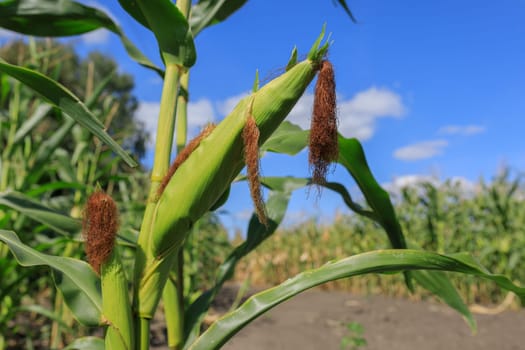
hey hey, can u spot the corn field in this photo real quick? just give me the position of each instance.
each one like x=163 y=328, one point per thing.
x=92 y=246
x=487 y=219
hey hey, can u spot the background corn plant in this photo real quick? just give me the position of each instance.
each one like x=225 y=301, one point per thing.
x=442 y=217
x=47 y=167
x=175 y=204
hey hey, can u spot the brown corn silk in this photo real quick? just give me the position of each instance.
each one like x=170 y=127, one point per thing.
x=323 y=143
x=184 y=154
x=250 y=136
x=100 y=226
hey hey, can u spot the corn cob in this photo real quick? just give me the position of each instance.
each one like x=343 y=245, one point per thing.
x=100 y=228
x=207 y=173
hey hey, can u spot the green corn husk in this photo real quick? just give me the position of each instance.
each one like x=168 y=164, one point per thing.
x=116 y=306
x=207 y=173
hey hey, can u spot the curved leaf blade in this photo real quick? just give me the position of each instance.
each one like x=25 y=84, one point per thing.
x=39 y=114
x=352 y=157
x=287 y=139
x=41 y=310
x=59 y=222
x=133 y=9
x=257 y=233
x=438 y=283
x=380 y=261
x=434 y=281
x=86 y=343
x=209 y=12
x=59 y=96
x=75 y=279
x=172 y=31
x=53 y=18
x=347 y=10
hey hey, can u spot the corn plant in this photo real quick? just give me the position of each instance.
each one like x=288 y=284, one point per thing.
x=102 y=293
x=46 y=167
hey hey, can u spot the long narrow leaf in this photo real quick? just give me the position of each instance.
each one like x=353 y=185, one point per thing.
x=287 y=139
x=277 y=204
x=25 y=205
x=352 y=157
x=59 y=96
x=429 y=280
x=39 y=309
x=53 y=18
x=75 y=279
x=347 y=10
x=371 y=262
x=171 y=30
x=86 y=343
x=208 y=12
x=291 y=139
x=133 y=9
x=39 y=114
x=439 y=284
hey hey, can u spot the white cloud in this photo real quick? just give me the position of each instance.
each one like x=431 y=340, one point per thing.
x=411 y=180
x=421 y=150
x=415 y=181
x=148 y=113
x=357 y=116
x=96 y=37
x=200 y=113
x=465 y=130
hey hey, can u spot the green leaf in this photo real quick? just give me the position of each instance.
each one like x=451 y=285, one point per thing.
x=434 y=281
x=54 y=186
x=26 y=205
x=138 y=56
x=287 y=139
x=86 y=343
x=317 y=51
x=282 y=183
x=39 y=309
x=345 y=196
x=276 y=208
x=39 y=114
x=209 y=12
x=171 y=30
x=347 y=10
x=372 y=262
x=438 y=283
x=133 y=9
x=352 y=157
x=59 y=96
x=51 y=18
x=75 y=279
x=293 y=59
x=49 y=147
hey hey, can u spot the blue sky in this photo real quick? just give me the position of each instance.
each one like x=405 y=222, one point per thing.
x=432 y=88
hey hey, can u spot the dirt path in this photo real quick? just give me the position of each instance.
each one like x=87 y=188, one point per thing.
x=316 y=320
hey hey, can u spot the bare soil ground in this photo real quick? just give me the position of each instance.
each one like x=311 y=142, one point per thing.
x=317 y=320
